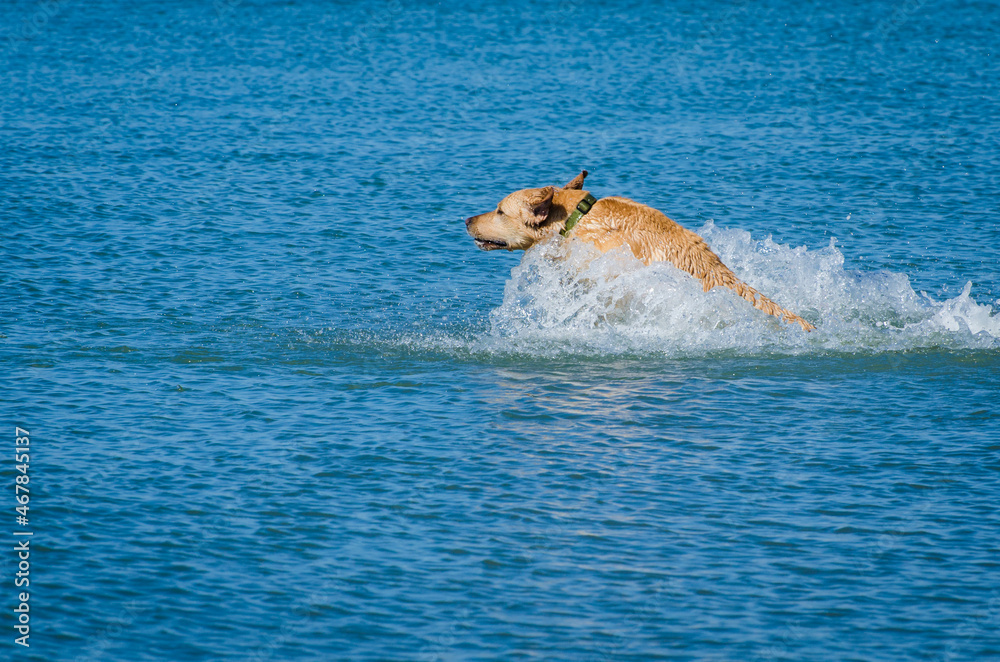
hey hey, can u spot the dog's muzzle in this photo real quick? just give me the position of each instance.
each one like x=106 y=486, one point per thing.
x=483 y=244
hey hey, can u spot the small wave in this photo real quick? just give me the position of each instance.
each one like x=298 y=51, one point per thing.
x=565 y=297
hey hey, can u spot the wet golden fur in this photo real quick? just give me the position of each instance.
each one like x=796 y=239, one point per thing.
x=531 y=215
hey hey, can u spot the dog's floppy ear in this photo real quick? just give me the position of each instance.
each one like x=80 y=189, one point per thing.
x=577 y=182
x=539 y=204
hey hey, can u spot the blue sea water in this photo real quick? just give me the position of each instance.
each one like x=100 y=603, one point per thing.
x=281 y=408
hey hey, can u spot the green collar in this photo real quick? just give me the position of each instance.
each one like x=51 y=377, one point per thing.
x=578 y=213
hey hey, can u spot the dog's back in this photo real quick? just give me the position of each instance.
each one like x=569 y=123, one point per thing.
x=654 y=237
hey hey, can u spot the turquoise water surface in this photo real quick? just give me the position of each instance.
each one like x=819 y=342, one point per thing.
x=281 y=408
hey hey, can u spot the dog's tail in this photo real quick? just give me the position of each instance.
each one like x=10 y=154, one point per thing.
x=720 y=274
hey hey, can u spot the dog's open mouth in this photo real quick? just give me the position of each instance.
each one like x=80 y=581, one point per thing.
x=487 y=245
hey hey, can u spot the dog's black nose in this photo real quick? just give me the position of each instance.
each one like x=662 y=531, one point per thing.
x=468 y=220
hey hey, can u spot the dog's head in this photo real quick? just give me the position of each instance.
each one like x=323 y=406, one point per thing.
x=520 y=220
x=516 y=223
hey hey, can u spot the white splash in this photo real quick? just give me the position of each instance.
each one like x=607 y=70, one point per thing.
x=566 y=297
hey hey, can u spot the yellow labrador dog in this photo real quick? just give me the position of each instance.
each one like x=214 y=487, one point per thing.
x=531 y=215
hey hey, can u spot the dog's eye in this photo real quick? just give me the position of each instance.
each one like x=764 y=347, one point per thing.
x=499 y=212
